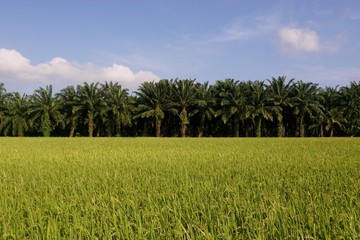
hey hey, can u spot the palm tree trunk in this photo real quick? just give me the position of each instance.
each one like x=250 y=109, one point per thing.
x=72 y=127
x=91 y=124
x=118 y=130
x=201 y=125
x=45 y=126
x=183 y=118
x=158 y=127
x=331 y=131
x=118 y=126
x=183 y=129
x=258 y=127
x=302 y=127
x=321 y=130
x=236 y=126
x=280 y=127
x=72 y=131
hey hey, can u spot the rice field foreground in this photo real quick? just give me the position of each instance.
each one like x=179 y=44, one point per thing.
x=147 y=188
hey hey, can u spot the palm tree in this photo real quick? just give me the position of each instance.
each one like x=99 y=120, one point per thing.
x=231 y=99
x=317 y=125
x=306 y=102
x=279 y=94
x=333 y=112
x=184 y=97
x=350 y=96
x=153 y=100
x=70 y=106
x=16 y=119
x=45 y=110
x=118 y=104
x=3 y=101
x=259 y=106
x=350 y=102
x=334 y=117
x=91 y=102
x=204 y=105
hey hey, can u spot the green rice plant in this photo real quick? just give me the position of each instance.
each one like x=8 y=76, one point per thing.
x=149 y=188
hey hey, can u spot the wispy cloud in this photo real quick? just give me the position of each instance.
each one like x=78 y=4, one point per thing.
x=334 y=45
x=324 y=11
x=248 y=27
x=298 y=40
x=15 y=68
x=352 y=14
x=293 y=40
x=233 y=33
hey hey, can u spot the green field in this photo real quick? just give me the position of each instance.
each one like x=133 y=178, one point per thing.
x=148 y=188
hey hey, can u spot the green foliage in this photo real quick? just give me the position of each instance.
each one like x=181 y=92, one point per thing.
x=16 y=115
x=149 y=188
x=118 y=108
x=153 y=101
x=183 y=107
x=44 y=110
x=92 y=103
x=306 y=103
x=184 y=97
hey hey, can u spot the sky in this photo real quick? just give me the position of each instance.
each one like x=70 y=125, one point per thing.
x=69 y=42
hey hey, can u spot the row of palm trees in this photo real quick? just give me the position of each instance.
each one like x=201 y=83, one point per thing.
x=274 y=107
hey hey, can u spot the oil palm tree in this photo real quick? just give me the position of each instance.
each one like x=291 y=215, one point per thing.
x=204 y=105
x=279 y=94
x=70 y=107
x=350 y=103
x=3 y=102
x=91 y=102
x=118 y=105
x=184 y=97
x=259 y=106
x=334 y=118
x=306 y=102
x=317 y=125
x=16 y=119
x=44 y=110
x=231 y=96
x=153 y=100
x=350 y=99
x=333 y=112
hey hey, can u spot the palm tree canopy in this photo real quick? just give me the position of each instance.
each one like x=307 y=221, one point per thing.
x=153 y=99
x=306 y=99
x=16 y=120
x=258 y=103
x=279 y=91
x=231 y=96
x=92 y=103
x=45 y=110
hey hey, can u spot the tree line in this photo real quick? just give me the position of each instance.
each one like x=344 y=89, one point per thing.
x=184 y=107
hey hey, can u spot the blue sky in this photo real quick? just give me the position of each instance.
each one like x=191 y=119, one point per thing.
x=68 y=42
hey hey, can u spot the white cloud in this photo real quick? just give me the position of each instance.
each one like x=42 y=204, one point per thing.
x=248 y=27
x=16 y=69
x=294 y=40
x=298 y=40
